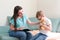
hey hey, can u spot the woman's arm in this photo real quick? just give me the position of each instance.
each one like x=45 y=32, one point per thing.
x=12 y=27
x=32 y=23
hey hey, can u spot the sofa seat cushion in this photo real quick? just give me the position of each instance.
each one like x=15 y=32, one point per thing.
x=7 y=37
x=4 y=33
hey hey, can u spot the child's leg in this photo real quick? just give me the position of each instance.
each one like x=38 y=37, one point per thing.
x=53 y=36
x=50 y=38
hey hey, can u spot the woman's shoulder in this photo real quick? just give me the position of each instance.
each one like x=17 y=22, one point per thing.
x=12 y=19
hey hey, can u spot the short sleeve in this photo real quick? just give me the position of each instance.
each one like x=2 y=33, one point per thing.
x=20 y=22
x=49 y=22
x=11 y=21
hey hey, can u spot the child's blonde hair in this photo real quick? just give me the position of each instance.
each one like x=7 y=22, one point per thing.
x=39 y=14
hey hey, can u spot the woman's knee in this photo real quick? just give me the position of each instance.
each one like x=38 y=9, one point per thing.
x=21 y=34
x=28 y=33
x=12 y=33
x=17 y=34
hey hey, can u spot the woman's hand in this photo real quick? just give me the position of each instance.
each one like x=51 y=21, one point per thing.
x=20 y=28
x=12 y=27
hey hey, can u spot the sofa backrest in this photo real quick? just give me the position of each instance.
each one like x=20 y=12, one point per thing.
x=55 y=23
x=4 y=29
x=33 y=19
x=33 y=27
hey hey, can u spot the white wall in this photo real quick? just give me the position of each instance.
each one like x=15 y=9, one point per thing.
x=58 y=9
x=6 y=8
x=51 y=7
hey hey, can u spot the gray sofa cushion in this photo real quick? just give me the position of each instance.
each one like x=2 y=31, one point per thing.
x=8 y=38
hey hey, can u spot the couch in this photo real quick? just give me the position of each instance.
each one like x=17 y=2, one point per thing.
x=4 y=29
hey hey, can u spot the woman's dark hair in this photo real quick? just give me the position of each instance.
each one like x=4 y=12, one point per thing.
x=15 y=15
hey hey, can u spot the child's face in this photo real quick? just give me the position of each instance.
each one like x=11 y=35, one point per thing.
x=39 y=17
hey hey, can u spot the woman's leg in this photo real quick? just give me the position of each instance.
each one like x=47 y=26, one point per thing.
x=18 y=34
x=29 y=35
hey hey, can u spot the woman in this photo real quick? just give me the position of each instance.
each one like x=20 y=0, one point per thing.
x=18 y=23
x=45 y=28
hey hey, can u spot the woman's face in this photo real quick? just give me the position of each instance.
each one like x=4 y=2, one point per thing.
x=20 y=13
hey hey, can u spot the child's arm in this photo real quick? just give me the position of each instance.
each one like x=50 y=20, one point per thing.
x=47 y=27
x=46 y=24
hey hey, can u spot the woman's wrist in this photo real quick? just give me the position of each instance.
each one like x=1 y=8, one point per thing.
x=19 y=28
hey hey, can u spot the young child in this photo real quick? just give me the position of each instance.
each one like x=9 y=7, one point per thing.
x=45 y=28
x=45 y=23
